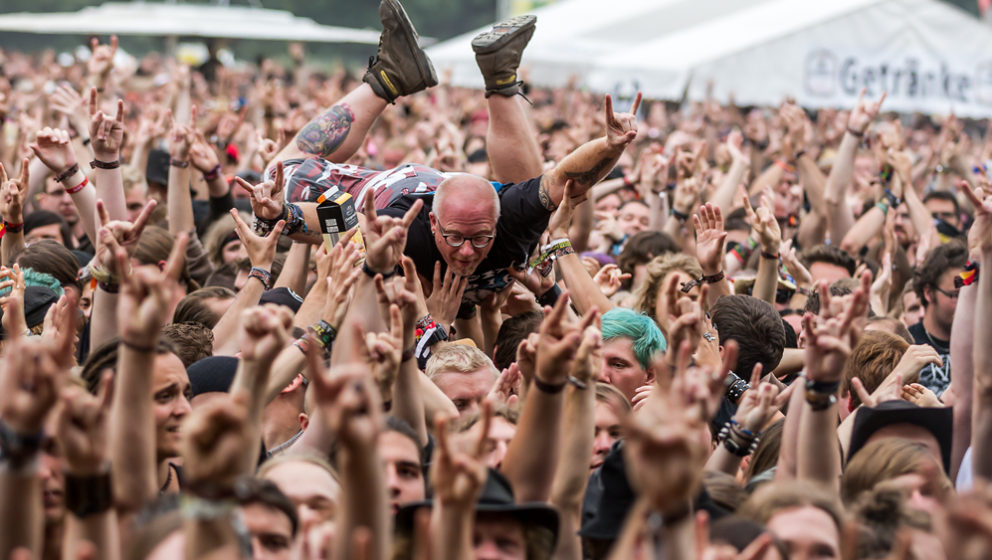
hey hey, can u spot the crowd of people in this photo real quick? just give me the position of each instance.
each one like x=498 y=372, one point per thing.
x=567 y=326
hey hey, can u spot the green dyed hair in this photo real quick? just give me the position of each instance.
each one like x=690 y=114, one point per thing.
x=34 y=278
x=621 y=322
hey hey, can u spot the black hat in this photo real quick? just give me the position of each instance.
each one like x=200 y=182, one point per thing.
x=939 y=421
x=157 y=167
x=213 y=374
x=497 y=497
x=282 y=296
x=615 y=499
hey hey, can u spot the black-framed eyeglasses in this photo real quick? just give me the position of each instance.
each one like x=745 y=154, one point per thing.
x=457 y=239
x=953 y=294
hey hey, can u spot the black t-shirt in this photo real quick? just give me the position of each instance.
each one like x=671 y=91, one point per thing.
x=522 y=220
x=931 y=376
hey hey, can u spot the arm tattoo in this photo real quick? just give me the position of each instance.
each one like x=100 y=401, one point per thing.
x=544 y=196
x=588 y=177
x=327 y=132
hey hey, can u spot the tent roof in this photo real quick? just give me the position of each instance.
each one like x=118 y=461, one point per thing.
x=190 y=20
x=759 y=51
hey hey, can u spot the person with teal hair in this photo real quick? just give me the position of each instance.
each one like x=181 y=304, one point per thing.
x=631 y=342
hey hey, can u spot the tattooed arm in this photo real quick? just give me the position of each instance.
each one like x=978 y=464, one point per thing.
x=591 y=161
x=323 y=135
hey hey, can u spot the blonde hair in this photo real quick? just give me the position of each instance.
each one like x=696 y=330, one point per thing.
x=283 y=458
x=886 y=459
x=132 y=179
x=646 y=297
x=457 y=358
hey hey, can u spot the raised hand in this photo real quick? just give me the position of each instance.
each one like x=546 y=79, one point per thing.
x=446 y=295
x=215 y=437
x=106 y=134
x=13 y=193
x=384 y=352
x=82 y=429
x=610 y=278
x=862 y=114
x=352 y=403
x=828 y=340
x=53 y=147
x=561 y=220
x=711 y=238
x=143 y=304
x=66 y=101
x=180 y=139
x=558 y=342
x=266 y=197
x=794 y=267
x=261 y=250
x=763 y=223
x=12 y=301
x=30 y=379
x=101 y=60
x=263 y=332
x=459 y=476
x=337 y=269
x=202 y=155
x=386 y=236
x=980 y=234
x=621 y=128
x=757 y=406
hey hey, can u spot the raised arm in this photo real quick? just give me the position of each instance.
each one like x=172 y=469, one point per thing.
x=12 y=197
x=591 y=161
x=179 y=199
x=81 y=428
x=54 y=149
x=981 y=427
x=764 y=224
x=839 y=216
x=261 y=253
x=711 y=243
x=106 y=139
x=540 y=426
x=141 y=312
x=572 y=474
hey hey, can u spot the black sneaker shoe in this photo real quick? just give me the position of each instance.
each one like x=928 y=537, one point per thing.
x=400 y=67
x=498 y=52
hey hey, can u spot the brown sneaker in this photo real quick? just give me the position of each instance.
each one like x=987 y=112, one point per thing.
x=400 y=67
x=498 y=52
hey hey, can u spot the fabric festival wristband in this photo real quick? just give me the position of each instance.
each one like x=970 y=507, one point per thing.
x=97 y=164
x=263 y=276
x=67 y=173
x=13 y=228
x=212 y=174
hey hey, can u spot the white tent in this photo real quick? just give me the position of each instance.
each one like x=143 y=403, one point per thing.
x=929 y=56
x=184 y=20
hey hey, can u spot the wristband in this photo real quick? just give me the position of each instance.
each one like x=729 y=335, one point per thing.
x=325 y=334
x=178 y=163
x=88 y=495
x=97 y=164
x=883 y=205
x=371 y=273
x=138 y=347
x=680 y=216
x=86 y=142
x=736 y=386
x=894 y=201
x=109 y=288
x=549 y=388
x=578 y=383
x=262 y=275
x=967 y=277
x=67 y=173
x=408 y=354
x=550 y=297
x=16 y=449
x=737 y=439
x=544 y=264
x=856 y=133
x=79 y=187
x=13 y=228
x=295 y=221
x=712 y=278
x=769 y=256
x=212 y=174
x=825 y=387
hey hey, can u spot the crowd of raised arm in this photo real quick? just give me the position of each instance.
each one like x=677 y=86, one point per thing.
x=589 y=327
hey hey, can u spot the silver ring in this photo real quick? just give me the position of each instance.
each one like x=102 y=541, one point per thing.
x=709 y=336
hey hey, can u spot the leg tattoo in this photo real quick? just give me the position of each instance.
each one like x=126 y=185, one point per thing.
x=327 y=132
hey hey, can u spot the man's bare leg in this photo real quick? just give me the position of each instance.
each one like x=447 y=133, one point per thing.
x=511 y=142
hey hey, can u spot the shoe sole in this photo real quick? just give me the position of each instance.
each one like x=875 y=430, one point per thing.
x=424 y=64
x=503 y=33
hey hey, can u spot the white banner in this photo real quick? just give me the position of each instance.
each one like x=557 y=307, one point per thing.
x=914 y=82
